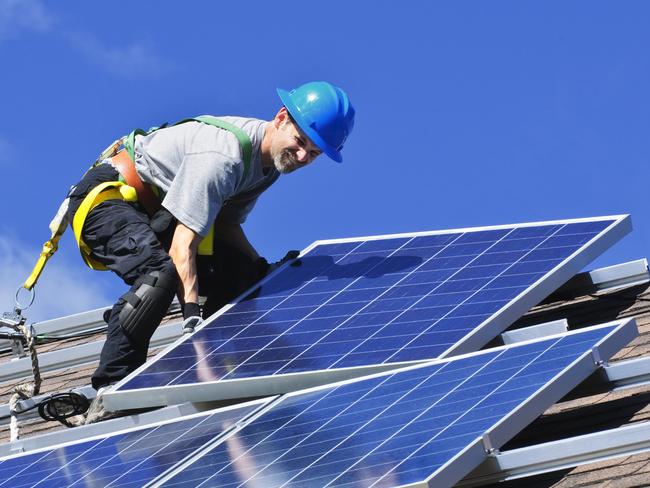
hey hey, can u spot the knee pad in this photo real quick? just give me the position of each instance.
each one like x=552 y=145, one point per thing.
x=146 y=304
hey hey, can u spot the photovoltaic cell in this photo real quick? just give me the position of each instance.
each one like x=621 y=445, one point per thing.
x=379 y=301
x=129 y=459
x=425 y=423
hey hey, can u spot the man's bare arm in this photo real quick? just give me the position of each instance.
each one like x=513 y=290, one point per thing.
x=183 y=253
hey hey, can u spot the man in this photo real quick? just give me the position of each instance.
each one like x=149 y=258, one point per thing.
x=205 y=173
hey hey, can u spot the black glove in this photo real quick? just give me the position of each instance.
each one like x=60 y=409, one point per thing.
x=293 y=254
x=191 y=317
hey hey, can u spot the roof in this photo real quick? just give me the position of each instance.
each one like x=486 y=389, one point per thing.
x=593 y=411
x=61 y=379
x=592 y=408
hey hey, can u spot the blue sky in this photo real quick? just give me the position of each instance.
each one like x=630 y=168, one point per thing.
x=468 y=114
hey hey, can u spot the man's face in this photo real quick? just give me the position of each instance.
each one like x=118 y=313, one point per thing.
x=291 y=148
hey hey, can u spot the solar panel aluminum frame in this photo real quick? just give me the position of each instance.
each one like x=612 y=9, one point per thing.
x=565 y=381
x=524 y=462
x=482 y=334
x=68 y=438
x=240 y=388
x=107 y=427
x=546 y=285
x=506 y=428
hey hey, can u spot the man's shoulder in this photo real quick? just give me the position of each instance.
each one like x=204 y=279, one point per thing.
x=249 y=125
x=214 y=139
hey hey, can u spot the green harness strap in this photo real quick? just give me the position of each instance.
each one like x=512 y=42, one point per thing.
x=244 y=141
x=59 y=224
x=206 y=246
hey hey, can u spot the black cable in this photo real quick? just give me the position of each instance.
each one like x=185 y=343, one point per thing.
x=59 y=406
x=62 y=406
x=12 y=336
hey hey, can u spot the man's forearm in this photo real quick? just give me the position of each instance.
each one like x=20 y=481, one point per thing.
x=183 y=254
x=188 y=286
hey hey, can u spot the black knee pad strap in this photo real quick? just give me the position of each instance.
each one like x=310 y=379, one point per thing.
x=146 y=304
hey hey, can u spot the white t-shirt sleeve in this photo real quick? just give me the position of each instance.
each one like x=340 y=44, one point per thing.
x=204 y=181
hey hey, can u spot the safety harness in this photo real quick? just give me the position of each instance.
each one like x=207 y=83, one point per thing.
x=130 y=188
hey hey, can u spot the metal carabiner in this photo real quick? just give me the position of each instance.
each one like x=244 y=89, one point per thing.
x=20 y=306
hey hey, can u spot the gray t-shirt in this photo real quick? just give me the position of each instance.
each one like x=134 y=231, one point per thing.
x=200 y=169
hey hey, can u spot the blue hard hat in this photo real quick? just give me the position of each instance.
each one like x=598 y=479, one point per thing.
x=323 y=112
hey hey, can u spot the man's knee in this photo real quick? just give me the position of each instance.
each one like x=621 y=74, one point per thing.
x=146 y=303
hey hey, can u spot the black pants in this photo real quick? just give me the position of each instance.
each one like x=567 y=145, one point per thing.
x=225 y=275
x=120 y=237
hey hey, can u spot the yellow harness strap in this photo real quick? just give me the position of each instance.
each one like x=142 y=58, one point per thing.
x=57 y=227
x=206 y=246
x=49 y=248
x=110 y=190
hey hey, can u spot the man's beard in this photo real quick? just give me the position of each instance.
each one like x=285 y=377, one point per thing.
x=285 y=162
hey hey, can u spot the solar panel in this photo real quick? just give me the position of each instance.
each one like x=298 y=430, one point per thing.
x=127 y=459
x=358 y=306
x=428 y=424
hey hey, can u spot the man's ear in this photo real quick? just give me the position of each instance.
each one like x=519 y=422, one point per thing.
x=280 y=118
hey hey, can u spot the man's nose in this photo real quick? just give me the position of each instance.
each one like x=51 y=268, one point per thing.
x=302 y=156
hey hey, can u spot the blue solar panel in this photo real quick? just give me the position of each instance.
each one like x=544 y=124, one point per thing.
x=378 y=301
x=130 y=459
x=425 y=423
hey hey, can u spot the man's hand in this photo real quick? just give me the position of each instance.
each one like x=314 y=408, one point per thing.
x=293 y=254
x=191 y=317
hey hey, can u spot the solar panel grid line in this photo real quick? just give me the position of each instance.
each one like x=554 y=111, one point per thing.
x=264 y=406
x=98 y=445
x=553 y=279
x=3 y=465
x=413 y=306
x=105 y=434
x=554 y=354
x=37 y=462
x=368 y=304
x=475 y=406
x=111 y=459
x=349 y=407
x=262 y=440
x=584 y=363
x=221 y=311
x=378 y=297
x=313 y=312
x=256 y=320
x=327 y=332
x=48 y=479
x=116 y=481
x=605 y=348
x=421 y=414
x=333 y=390
x=118 y=454
x=404 y=395
x=551 y=392
x=483 y=400
x=476 y=292
x=209 y=446
x=312 y=406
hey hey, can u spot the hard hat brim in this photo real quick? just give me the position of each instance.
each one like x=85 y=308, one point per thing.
x=291 y=107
